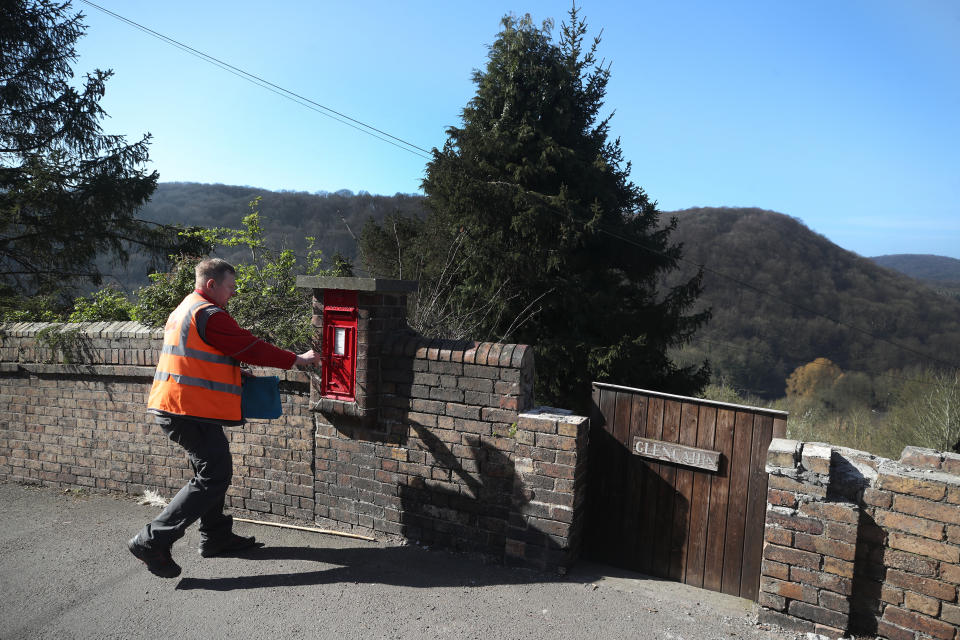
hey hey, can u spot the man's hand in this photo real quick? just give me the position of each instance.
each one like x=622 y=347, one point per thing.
x=307 y=359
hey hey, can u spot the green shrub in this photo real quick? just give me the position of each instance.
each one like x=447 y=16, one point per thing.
x=39 y=308
x=158 y=299
x=107 y=304
x=268 y=302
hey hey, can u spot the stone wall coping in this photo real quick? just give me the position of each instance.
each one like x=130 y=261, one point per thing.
x=379 y=285
x=783 y=453
x=892 y=467
x=493 y=354
x=554 y=414
x=89 y=329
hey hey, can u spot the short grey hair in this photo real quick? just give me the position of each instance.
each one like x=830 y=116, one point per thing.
x=215 y=268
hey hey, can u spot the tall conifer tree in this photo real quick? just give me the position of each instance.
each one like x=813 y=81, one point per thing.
x=68 y=192
x=553 y=230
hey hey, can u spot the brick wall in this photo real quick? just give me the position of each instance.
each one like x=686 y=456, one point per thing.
x=84 y=423
x=456 y=456
x=860 y=544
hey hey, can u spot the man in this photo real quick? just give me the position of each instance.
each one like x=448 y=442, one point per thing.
x=196 y=391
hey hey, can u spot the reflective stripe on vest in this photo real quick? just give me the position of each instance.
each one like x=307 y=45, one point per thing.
x=194 y=378
x=198 y=382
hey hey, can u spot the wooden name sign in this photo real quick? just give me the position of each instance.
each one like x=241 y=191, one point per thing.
x=677 y=453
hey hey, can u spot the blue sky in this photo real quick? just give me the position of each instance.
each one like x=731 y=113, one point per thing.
x=842 y=113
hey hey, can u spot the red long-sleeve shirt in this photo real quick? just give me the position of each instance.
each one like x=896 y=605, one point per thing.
x=222 y=332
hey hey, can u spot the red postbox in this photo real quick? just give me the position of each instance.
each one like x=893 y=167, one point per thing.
x=339 y=368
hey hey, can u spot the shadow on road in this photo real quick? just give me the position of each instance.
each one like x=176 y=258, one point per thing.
x=397 y=566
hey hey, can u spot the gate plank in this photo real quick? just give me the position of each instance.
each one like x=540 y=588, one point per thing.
x=613 y=474
x=596 y=415
x=666 y=495
x=651 y=490
x=689 y=413
x=756 y=508
x=700 y=502
x=621 y=431
x=719 y=498
x=624 y=459
x=636 y=477
x=737 y=507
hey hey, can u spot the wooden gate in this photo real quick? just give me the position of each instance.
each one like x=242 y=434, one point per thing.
x=653 y=508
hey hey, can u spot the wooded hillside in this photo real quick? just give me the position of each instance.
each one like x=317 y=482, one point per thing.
x=940 y=273
x=755 y=340
x=288 y=217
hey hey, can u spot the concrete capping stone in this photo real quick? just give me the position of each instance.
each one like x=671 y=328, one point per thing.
x=894 y=468
x=783 y=453
x=921 y=457
x=816 y=457
x=554 y=414
x=377 y=285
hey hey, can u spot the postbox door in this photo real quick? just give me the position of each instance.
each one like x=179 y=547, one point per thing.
x=339 y=356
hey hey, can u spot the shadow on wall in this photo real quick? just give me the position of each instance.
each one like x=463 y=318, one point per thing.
x=457 y=508
x=847 y=483
x=869 y=574
x=649 y=539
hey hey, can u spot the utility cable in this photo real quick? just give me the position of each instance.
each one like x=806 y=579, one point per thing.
x=270 y=86
x=424 y=153
x=541 y=197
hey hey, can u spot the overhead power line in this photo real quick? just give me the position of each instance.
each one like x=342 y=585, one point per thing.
x=426 y=154
x=537 y=196
x=277 y=89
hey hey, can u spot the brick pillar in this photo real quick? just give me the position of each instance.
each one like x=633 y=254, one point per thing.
x=547 y=515
x=809 y=543
x=916 y=507
x=381 y=316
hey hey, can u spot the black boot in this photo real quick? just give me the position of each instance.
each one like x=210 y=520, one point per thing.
x=226 y=545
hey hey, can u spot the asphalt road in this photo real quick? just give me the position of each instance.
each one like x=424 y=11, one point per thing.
x=65 y=572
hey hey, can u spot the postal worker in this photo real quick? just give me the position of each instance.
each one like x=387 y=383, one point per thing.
x=196 y=392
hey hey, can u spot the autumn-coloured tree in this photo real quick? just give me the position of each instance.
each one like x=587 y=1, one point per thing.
x=813 y=378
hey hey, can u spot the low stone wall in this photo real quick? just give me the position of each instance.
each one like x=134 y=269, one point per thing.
x=454 y=459
x=457 y=456
x=83 y=423
x=860 y=544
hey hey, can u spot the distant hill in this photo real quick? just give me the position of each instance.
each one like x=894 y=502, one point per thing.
x=939 y=272
x=757 y=340
x=287 y=217
x=754 y=340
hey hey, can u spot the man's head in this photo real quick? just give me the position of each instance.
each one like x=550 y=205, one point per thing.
x=217 y=279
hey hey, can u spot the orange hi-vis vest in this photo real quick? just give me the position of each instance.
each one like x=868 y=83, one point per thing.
x=193 y=378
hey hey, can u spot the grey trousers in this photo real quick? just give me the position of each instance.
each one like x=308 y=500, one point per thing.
x=203 y=497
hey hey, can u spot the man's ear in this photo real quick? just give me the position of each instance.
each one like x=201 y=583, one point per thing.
x=210 y=283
